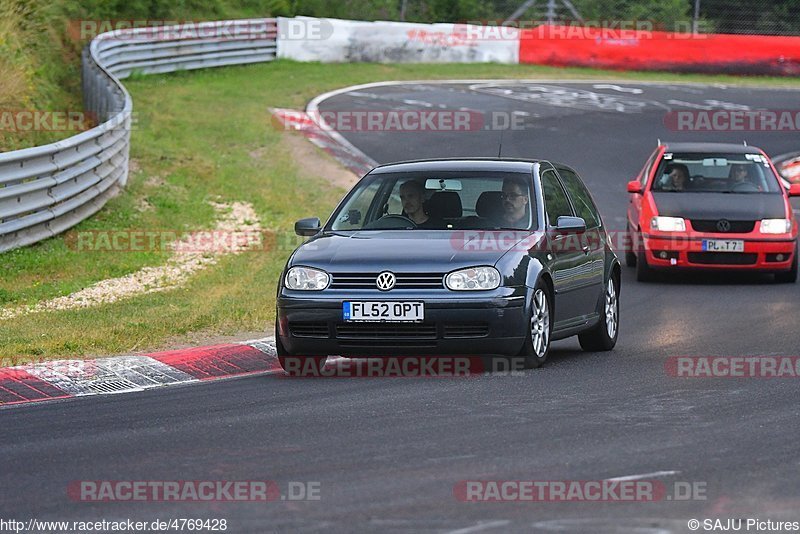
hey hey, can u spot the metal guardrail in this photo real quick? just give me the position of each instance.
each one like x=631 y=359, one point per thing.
x=47 y=189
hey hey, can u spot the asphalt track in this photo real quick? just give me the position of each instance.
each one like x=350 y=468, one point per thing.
x=389 y=452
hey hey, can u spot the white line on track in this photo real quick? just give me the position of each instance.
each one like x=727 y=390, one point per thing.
x=614 y=87
x=448 y=458
x=645 y=475
x=482 y=526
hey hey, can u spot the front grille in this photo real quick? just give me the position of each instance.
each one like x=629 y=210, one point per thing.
x=317 y=330
x=383 y=334
x=723 y=258
x=737 y=227
x=452 y=331
x=404 y=280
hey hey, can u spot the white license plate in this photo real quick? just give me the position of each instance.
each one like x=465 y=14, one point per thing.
x=383 y=311
x=718 y=245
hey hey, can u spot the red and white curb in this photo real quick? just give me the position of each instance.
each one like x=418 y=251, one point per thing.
x=121 y=374
x=325 y=138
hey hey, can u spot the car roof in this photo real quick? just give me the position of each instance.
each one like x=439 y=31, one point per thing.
x=730 y=148
x=460 y=164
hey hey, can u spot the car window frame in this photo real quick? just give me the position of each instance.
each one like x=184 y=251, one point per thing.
x=650 y=166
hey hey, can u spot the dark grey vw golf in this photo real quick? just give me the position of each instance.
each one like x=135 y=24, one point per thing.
x=451 y=257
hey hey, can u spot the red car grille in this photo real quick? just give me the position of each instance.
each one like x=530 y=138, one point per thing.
x=723 y=258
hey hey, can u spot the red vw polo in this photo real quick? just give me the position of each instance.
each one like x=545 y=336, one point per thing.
x=711 y=206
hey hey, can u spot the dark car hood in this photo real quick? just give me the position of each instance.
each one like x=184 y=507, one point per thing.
x=711 y=206
x=413 y=250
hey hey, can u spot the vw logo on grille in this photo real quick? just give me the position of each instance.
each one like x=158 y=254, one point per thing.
x=385 y=281
x=724 y=225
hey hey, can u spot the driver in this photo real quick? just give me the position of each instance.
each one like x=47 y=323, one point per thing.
x=678 y=178
x=515 y=203
x=740 y=175
x=412 y=195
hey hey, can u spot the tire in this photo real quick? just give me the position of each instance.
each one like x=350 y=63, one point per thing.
x=540 y=328
x=790 y=276
x=603 y=336
x=643 y=271
x=630 y=257
x=297 y=365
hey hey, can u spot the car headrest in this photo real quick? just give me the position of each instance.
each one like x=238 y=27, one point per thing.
x=489 y=205
x=444 y=205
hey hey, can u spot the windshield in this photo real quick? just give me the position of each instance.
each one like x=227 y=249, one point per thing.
x=439 y=201
x=715 y=173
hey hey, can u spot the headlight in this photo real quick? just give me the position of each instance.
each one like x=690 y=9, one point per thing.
x=473 y=279
x=776 y=226
x=306 y=279
x=668 y=224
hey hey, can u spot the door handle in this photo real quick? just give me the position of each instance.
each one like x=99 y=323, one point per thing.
x=586 y=249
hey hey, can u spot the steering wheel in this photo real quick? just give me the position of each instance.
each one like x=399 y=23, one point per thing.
x=392 y=222
x=744 y=187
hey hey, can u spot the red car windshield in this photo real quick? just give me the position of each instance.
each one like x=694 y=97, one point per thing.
x=715 y=173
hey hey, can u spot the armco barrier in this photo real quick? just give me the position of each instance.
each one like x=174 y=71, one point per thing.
x=655 y=50
x=47 y=189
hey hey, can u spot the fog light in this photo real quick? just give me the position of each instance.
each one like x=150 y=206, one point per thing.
x=664 y=255
x=778 y=257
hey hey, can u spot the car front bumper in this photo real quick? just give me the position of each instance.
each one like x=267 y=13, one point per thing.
x=769 y=255
x=462 y=325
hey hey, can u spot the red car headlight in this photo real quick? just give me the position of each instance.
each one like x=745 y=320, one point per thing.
x=668 y=224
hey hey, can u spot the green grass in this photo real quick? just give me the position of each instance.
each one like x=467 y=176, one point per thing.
x=194 y=142
x=40 y=57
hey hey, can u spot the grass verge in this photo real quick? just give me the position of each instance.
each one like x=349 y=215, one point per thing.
x=202 y=136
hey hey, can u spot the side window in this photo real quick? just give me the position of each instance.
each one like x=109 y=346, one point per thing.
x=555 y=200
x=581 y=198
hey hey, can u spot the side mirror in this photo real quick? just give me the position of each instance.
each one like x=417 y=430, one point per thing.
x=571 y=225
x=307 y=227
x=794 y=190
x=634 y=186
